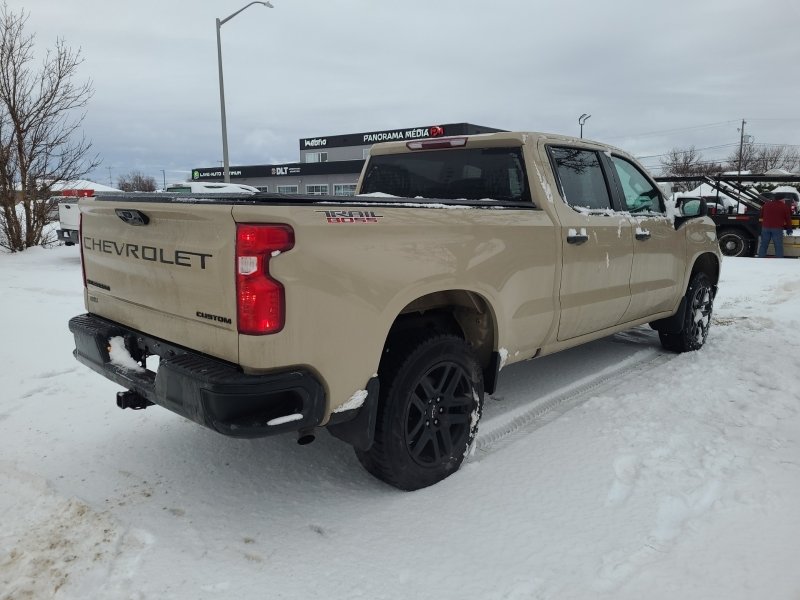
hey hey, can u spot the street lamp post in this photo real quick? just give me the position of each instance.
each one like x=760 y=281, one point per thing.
x=581 y=120
x=220 y=23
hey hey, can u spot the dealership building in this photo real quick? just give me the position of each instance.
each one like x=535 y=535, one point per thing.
x=329 y=165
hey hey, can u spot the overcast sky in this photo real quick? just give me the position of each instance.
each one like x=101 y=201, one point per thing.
x=653 y=74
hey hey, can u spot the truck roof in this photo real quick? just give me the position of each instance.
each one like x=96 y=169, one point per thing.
x=504 y=138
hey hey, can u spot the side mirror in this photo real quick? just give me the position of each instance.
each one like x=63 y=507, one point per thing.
x=692 y=208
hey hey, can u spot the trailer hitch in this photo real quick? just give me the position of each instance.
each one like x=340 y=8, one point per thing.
x=132 y=400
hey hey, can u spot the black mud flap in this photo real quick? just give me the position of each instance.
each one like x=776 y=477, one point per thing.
x=358 y=428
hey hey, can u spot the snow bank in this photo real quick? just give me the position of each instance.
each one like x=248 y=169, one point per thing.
x=614 y=471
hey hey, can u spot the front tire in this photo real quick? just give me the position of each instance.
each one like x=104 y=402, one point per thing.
x=697 y=319
x=430 y=405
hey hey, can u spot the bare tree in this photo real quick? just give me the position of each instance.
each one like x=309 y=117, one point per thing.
x=687 y=162
x=762 y=158
x=777 y=157
x=742 y=159
x=40 y=139
x=136 y=181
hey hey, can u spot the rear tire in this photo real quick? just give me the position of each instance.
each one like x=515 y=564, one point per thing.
x=696 y=321
x=430 y=404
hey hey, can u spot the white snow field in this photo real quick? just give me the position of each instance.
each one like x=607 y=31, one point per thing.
x=612 y=471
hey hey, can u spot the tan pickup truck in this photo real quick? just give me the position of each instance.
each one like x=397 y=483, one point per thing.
x=385 y=317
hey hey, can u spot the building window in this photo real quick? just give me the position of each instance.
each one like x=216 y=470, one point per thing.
x=286 y=189
x=314 y=157
x=365 y=153
x=262 y=188
x=317 y=190
x=344 y=189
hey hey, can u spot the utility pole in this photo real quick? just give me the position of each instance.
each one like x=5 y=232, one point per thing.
x=741 y=146
x=164 y=175
x=111 y=183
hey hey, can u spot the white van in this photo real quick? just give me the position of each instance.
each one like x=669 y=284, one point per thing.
x=196 y=187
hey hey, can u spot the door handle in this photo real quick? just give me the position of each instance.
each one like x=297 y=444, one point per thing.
x=577 y=237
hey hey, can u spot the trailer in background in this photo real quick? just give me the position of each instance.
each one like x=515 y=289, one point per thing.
x=735 y=207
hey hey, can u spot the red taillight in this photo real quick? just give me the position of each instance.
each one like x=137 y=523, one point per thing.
x=437 y=144
x=261 y=301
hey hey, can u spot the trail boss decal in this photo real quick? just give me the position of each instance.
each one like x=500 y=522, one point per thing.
x=350 y=216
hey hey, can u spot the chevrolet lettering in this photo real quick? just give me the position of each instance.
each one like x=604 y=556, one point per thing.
x=181 y=258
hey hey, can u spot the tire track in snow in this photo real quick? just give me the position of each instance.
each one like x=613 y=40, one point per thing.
x=504 y=429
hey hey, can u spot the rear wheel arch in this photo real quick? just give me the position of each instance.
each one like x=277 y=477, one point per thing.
x=463 y=313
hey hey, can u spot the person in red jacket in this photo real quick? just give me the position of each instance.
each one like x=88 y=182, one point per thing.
x=775 y=217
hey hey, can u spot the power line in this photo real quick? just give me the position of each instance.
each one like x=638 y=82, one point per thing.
x=774 y=119
x=697 y=127
x=692 y=128
x=696 y=149
x=756 y=144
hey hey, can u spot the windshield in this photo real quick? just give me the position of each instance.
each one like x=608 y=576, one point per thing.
x=468 y=174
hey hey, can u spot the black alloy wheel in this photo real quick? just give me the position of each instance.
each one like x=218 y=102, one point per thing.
x=437 y=420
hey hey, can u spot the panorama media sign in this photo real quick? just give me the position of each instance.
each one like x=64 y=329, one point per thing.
x=373 y=137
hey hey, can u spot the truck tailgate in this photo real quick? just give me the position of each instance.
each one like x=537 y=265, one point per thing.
x=162 y=268
x=68 y=214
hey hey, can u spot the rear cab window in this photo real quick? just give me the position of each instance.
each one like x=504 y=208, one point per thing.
x=459 y=174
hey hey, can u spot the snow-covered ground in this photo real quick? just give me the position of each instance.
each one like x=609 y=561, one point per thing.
x=612 y=471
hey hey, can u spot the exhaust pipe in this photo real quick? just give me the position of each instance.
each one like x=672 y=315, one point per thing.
x=305 y=436
x=132 y=400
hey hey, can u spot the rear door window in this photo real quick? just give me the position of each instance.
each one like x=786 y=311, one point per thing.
x=580 y=175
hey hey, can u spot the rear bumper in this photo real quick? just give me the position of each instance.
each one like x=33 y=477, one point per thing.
x=208 y=391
